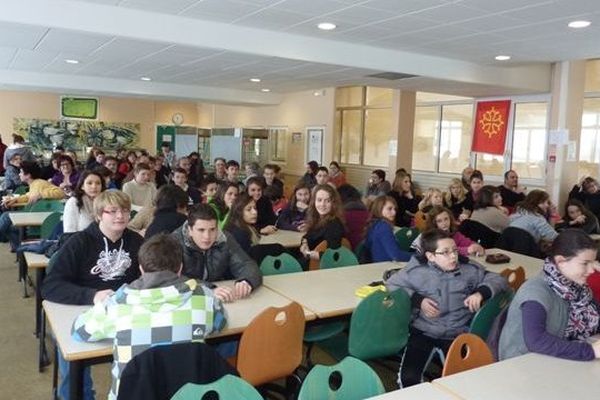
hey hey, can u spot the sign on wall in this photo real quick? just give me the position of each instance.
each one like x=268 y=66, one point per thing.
x=315 y=144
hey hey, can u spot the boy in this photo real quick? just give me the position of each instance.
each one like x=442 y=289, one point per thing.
x=445 y=293
x=180 y=178
x=140 y=189
x=162 y=307
x=209 y=188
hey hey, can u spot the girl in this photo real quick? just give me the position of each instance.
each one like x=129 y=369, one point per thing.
x=223 y=200
x=241 y=222
x=309 y=178
x=293 y=218
x=487 y=209
x=432 y=197
x=336 y=176
x=530 y=216
x=588 y=192
x=441 y=218
x=380 y=243
x=475 y=185
x=407 y=201
x=554 y=312
x=455 y=198
x=577 y=216
x=79 y=210
x=170 y=211
x=67 y=177
x=324 y=222
x=265 y=222
x=126 y=165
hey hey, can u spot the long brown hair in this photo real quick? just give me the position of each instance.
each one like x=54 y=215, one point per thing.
x=316 y=221
x=236 y=214
x=432 y=215
x=400 y=175
x=376 y=209
x=532 y=202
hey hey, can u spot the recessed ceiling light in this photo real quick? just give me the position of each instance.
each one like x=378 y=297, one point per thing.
x=71 y=61
x=502 y=58
x=579 y=24
x=145 y=78
x=255 y=80
x=317 y=93
x=265 y=90
x=327 y=26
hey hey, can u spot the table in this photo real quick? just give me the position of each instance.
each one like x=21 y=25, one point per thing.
x=328 y=292
x=531 y=265
x=285 y=238
x=82 y=354
x=39 y=262
x=528 y=377
x=423 y=391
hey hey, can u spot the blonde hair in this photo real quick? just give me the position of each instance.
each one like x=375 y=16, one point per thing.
x=448 y=195
x=111 y=198
x=427 y=196
x=398 y=179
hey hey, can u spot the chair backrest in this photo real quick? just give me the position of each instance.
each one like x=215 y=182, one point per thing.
x=466 y=352
x=320 y=248
x=405 y=236
x=47 y=205
x=350 y=379
x=21 y=189
x=228 y=387
x=484 y=318
x=379 y=325
x=271 y=345
x=515 y=277
x=519 y=241
x=281 y=264
x=334 y=258
x=478 y=232
x=49 y=224
x=362 y=253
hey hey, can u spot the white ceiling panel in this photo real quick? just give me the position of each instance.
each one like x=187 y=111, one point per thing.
x=450 y=13
x=406 y=24
x=6 y=56
x=123 y=50
x=167 y=7
x=28 y=60
x=491 y=23
x=272 y=19
x=404 y=6
x=504 y=5
x=19 y=35
x=554 y=10
x=310 y=8
x=356 y=15
x=221 y=10
x=71 y=41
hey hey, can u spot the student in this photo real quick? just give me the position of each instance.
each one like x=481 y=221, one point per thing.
x=18 y=147
x=169 y=157
x=159 y=308
x=475 y=185
x=96 y=160
x=170 y=211
x=441 y=218
x=465 y=177
x=67 y=176
x=252 y=169
x=223 y=200
x=79 y=209
x=377 y=185
x=530 y=216
x=241 y=223
x=407 y=201
x=161 y=173
x=322 y=176
x=265 y=222
x=325 y=221
x=577 y=216
x=209 y=188
x=588 y=192
x=380 y=243
x=140 y=189
x=510 y=191
x=192 y=179
x=180 y=178
x=112 y=164
x=233 y=171
x=454 y=199
x=11 y=175
x=52 y=168
x=356 y=214
x=446 y=291
x=309 y=178
x=269 y=173
x=126 y=166
x=431 y=198
x=336 y=176
x=212 y=255
x=220 y=169
x=487 y=210
x=554 y=312
x=293 y=217
x=94 y=263
x=197 y=167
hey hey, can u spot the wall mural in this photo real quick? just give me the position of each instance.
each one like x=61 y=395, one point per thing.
x=45 y=134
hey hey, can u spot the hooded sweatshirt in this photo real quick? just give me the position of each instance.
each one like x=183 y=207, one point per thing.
x=159 y=308
x=89 y=262
x=18 y=148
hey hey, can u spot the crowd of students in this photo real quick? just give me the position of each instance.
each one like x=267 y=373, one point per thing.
x=194 y=229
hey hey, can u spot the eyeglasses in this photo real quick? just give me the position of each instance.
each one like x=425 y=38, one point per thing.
x=447 y=253
x=113 y=213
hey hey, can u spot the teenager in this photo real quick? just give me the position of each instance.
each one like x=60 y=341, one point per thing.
x=79 y=209
x=140 y=189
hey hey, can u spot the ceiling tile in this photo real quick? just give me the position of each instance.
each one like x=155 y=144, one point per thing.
x=19 y=35
x=450 y=13
x=404 y=6
x=504 y=5
x=310 y=8
x=406 y=24
x=6 y=56
x=167 y=7
x=272 y=19
x=121 y=50
x=72 y=41
x=29 y=60
x=225 y=10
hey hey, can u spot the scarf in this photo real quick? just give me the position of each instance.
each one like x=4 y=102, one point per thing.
x=583 y=315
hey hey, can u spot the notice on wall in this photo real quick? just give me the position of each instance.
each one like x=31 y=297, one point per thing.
x=558 y=136
x=572 y=151
x=315 y=144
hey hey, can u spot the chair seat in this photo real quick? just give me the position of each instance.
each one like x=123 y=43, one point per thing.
x=322 y=332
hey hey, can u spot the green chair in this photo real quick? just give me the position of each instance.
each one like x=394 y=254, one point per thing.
x=484 y=318
x=281 y=264
x=405 y=237
x=132 y=214
x=49 y=224
x=359 y=250
x=340 y=257
x=379 y=325
x=351 y=379
x=228 y=387
x=46 y=205
x=21 y=189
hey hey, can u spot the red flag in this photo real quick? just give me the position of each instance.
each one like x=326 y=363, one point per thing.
x=491 y=123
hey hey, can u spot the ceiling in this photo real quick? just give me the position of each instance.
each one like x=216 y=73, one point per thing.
x=208 y=50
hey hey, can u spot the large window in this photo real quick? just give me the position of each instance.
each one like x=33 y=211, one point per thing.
x=364 y=125
x=589 y=148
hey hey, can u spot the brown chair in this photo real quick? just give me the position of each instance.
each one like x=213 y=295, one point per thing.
x=321 y=247
x=271 y=346
x=466 y=352
x=515 y=277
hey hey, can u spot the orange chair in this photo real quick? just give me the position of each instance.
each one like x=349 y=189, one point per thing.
x=466 y=352
x=271 y=345
x=321 y=247
x=515 y=277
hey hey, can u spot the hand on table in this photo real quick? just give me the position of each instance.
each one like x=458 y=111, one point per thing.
x=224 y=294
x=241 y=289
x=267 y=230
x=102 y=295
x=473 y=302
x=476 y=249
x=430 y=308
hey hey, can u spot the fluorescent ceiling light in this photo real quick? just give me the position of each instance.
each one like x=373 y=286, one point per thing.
x=71 y=61
x=579 y=24
x=255 y=80
x=265 y=90
x=502 y=58
x=145 y=78
x=327 y=26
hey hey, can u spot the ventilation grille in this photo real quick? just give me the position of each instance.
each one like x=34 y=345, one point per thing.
x=391 y=76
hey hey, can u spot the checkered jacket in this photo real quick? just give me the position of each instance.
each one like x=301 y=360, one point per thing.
x=138 y=319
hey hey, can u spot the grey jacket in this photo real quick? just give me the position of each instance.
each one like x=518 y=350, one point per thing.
x=448 y=289
x=224 y=260
x=24 y=151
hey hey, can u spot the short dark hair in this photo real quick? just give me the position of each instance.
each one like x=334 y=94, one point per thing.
x=210 y=178
x=141 y=167
x=161 y=252
x=380 y=173
x=324 y=169
x=170 y=197
x=571 y=242
x=201 y=211
x=232 y=163
x=348 y=193
x=65 y=158
x=429 y=239
x=508 y=172
x=486 y=197
x=256 y=180
x=165 y=144
x=476 y=174
x=110 y=158
x=335 y=163
x=313 y=165
x=31 y=168
x=219 y=159
x=180 y=170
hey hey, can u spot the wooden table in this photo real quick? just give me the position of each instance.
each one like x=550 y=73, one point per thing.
x=82 y=354
x=531 y=265
x=423 y=391
x=528 y=377
x=39 y=262
x=328 y=292
x=285 y=238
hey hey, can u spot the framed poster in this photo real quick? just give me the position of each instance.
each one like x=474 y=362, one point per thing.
x=314 y=148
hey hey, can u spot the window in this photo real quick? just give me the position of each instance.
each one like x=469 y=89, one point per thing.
x=363 y=125
x=278 y=139
x=589 y=148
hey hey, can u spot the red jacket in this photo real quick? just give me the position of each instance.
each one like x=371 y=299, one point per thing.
x=594 y=282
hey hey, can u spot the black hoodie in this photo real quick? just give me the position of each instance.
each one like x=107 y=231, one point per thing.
x=89 y=262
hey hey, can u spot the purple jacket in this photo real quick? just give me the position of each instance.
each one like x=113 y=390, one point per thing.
x=58 y=178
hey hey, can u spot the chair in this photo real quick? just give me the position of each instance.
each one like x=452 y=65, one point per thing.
x=46 y=205
x=281 y=264
x=515 y=277
x=271 y=346
x=228 y=387
x=50 y=224
x=484 y=318
x=466 y=352
x=350 y=379
x=334 y=258
x=519 y=241
x=405 y=236
x=22 y=189
x=478 y=232
x=321 y=247
x=379 y=325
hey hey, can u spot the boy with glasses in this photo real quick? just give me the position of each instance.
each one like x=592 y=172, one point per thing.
x=446 y=290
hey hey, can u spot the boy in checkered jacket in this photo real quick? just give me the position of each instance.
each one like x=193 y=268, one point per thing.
x=161 y=307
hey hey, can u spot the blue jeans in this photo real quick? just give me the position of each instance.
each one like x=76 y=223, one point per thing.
x=8 y=232
x=63 y=386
